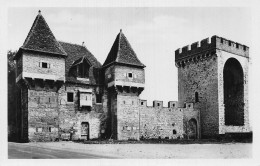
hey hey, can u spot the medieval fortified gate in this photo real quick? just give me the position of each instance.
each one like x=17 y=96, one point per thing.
x=63 y=91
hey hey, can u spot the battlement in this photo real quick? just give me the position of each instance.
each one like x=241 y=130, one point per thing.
x=207 y=46
x=159 y=104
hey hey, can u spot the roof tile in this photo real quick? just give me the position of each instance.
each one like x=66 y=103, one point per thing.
x=40 y=38
x=122 y=52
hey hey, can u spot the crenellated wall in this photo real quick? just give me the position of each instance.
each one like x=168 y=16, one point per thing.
x=205 y=46
x=165 y=122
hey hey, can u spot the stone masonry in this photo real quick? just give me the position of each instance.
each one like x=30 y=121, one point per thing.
x=200 y=70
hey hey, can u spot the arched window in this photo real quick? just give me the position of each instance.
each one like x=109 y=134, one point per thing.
x=196 y=97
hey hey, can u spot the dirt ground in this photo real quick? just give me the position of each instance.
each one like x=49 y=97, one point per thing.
x=156 y=151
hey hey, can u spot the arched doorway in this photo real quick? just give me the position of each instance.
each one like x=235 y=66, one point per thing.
x=85 y=130
x=192 y=129
x=233 y=93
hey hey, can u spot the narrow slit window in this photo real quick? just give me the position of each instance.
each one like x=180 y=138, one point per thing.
x=196 y=97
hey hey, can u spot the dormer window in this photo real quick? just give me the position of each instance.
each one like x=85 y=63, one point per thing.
x=80 y=68
x=83 y=70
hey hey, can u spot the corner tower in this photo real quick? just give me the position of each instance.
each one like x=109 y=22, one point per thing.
x=124 y=80
x=213 y=73
x=40 y=72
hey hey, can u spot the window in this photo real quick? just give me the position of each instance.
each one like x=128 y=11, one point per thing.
x=158 y=104
x=196 y=97
x=174 y=131
x=142 y=103
x=49 y=129
x=70 y=96
x=83 y=70
x=44 y=65
x=173 y=105
x=130 y=75
x=98 y=98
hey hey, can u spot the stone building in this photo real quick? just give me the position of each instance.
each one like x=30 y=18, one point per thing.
x=65 y=93
x=213 y=74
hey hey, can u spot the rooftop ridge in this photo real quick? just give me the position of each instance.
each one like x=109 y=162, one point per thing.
x=215 y=42
x=62 y=41
x=83 y=46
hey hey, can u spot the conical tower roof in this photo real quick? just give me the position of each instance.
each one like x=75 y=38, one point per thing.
x=40 y=38
x=122 y=53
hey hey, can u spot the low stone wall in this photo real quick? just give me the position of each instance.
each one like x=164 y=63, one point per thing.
x=160 y=122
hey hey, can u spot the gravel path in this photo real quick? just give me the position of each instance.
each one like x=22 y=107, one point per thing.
x=152 y=151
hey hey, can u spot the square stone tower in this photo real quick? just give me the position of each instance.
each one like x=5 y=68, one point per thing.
x=213 y=74
x=40 y=71
x=124 y=81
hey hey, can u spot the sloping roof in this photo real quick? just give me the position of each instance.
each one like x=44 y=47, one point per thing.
x=75 y=53
x=40 y=38
x=122 y=52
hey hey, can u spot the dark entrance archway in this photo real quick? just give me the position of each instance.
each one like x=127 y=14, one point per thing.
x=192 y=129
x=85 y=130
x=233 y=93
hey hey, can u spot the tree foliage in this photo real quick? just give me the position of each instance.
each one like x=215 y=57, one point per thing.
x=11 y=93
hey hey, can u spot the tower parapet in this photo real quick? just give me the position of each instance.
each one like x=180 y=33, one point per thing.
x=207 y=47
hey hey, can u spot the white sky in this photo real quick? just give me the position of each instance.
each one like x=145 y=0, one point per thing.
x=154 y=33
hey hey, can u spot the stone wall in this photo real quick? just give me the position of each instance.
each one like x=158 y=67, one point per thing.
x=160 y=122
x=71 y=115
x=42 y=115
x=119 y=73
x=122 y=71
x=22 y=113
x=201 y=76
x=31 y=64
x=128 y=116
